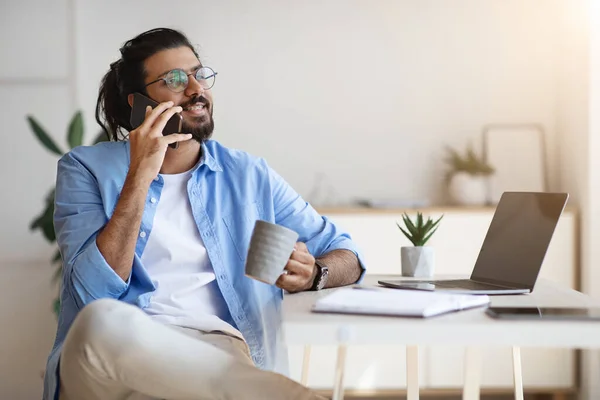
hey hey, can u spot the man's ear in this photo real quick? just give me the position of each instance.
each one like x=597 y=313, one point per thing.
x=130 y=99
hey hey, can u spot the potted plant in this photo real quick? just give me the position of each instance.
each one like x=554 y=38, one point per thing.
x=45 y=221
x=468 y=177
x=418 y=260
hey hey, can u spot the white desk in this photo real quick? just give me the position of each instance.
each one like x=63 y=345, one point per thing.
x=471 y=328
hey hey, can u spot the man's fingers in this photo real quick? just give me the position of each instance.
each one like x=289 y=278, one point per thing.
x=176 y=137
x=303 y=257
x=301 y=246
x=291 y=283
x=297 y=268
x=154 y=114
x=162 y=120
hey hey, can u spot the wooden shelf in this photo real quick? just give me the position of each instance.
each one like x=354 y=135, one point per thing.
x=428 y=210
x=425 y=210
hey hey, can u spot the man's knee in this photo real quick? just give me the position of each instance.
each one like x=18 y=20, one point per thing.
x=102 y=323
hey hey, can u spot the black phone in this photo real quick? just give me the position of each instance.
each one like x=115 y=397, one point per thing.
x=545 y=313
x=138 y=114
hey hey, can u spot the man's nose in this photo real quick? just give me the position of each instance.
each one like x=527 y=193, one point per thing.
x=194 y=87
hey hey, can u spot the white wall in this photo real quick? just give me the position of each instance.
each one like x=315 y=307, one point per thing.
x=367 y=92
x=573 y=99
x=579 y=149
x=590 y=232
x=32 y=80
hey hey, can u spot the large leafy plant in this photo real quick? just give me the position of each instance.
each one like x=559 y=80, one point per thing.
x=45 y=220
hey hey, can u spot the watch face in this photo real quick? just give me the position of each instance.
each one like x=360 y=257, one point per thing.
x=322 y=279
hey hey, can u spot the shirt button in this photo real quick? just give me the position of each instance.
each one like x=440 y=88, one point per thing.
x=142 y=234
x=153 y=200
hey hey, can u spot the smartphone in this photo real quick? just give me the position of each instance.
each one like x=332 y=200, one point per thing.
x=545 y=313
x=138 y=114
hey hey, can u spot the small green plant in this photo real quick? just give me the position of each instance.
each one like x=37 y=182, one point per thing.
x=419 y=231
x=470 y=163
x=45 y=220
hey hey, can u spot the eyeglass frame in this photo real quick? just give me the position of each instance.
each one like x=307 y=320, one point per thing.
x=164 y=79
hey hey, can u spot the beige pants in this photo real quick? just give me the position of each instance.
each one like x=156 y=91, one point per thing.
x=115 y=351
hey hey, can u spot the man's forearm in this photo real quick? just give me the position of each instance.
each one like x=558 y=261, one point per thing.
x=344 y=268
x=117 y=240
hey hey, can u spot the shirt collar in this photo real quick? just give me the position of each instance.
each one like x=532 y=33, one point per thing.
x=209 y=160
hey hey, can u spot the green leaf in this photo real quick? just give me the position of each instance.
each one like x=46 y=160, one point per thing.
x=419 y=220
x=45 y=221
x=43 y=137
x=50 y=196
x=426 y=238
x=437 y=222
x=399 y=227
x=408 y=235
x=57 y=257
x=48 y=228
x=102 y=137
x=56 y=306
x=409 y=224
x=427 y=225
x=37 y=223
x=75 y=132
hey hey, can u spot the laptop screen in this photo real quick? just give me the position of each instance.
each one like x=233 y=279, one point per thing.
x=518 y=237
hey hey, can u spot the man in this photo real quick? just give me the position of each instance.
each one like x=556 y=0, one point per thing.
x=153 y=238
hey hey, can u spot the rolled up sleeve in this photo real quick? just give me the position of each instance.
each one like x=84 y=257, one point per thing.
x=319 y=233
x=79 y=216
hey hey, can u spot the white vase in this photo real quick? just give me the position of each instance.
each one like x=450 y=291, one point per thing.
x=468 y=190
x=418 y=261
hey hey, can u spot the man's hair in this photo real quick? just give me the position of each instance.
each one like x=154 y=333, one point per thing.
x=127 y=75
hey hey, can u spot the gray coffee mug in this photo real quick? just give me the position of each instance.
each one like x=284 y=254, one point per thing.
x=270 y=248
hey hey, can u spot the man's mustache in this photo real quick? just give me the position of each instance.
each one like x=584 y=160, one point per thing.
x=196 y=99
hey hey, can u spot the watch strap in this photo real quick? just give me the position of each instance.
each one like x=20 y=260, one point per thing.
x=321 y=276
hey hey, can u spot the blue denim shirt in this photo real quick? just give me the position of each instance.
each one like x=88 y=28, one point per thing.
x=229 y=190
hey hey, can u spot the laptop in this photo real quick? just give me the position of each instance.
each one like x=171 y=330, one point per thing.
x=513 y=250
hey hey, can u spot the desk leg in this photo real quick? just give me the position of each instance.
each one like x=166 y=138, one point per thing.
x=412 y=372
x=517 y=373
x=305 y=365
x=473 y=366
x=338 y=388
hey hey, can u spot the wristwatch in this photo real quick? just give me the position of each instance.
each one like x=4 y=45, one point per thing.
x=321 y=278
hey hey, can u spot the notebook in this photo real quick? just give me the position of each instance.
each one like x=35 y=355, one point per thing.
x=393 y=302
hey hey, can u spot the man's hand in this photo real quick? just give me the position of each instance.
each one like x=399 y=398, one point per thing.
x=148 y=146
x=300 y=270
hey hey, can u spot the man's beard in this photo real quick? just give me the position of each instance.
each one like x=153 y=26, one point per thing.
x=202 y=127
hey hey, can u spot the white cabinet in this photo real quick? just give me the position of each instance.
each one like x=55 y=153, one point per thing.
x=457 y=243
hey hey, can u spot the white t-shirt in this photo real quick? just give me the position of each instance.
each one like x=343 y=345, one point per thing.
x=186 y=293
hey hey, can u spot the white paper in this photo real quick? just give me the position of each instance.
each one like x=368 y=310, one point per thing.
x=383 y=301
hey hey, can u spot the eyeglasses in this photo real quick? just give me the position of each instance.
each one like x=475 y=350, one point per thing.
x=177 y=80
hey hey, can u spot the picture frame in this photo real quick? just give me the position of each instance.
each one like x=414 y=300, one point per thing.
x=517 y=152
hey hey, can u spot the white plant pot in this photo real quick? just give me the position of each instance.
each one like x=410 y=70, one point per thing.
x=417 y=261
x=468 y=190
